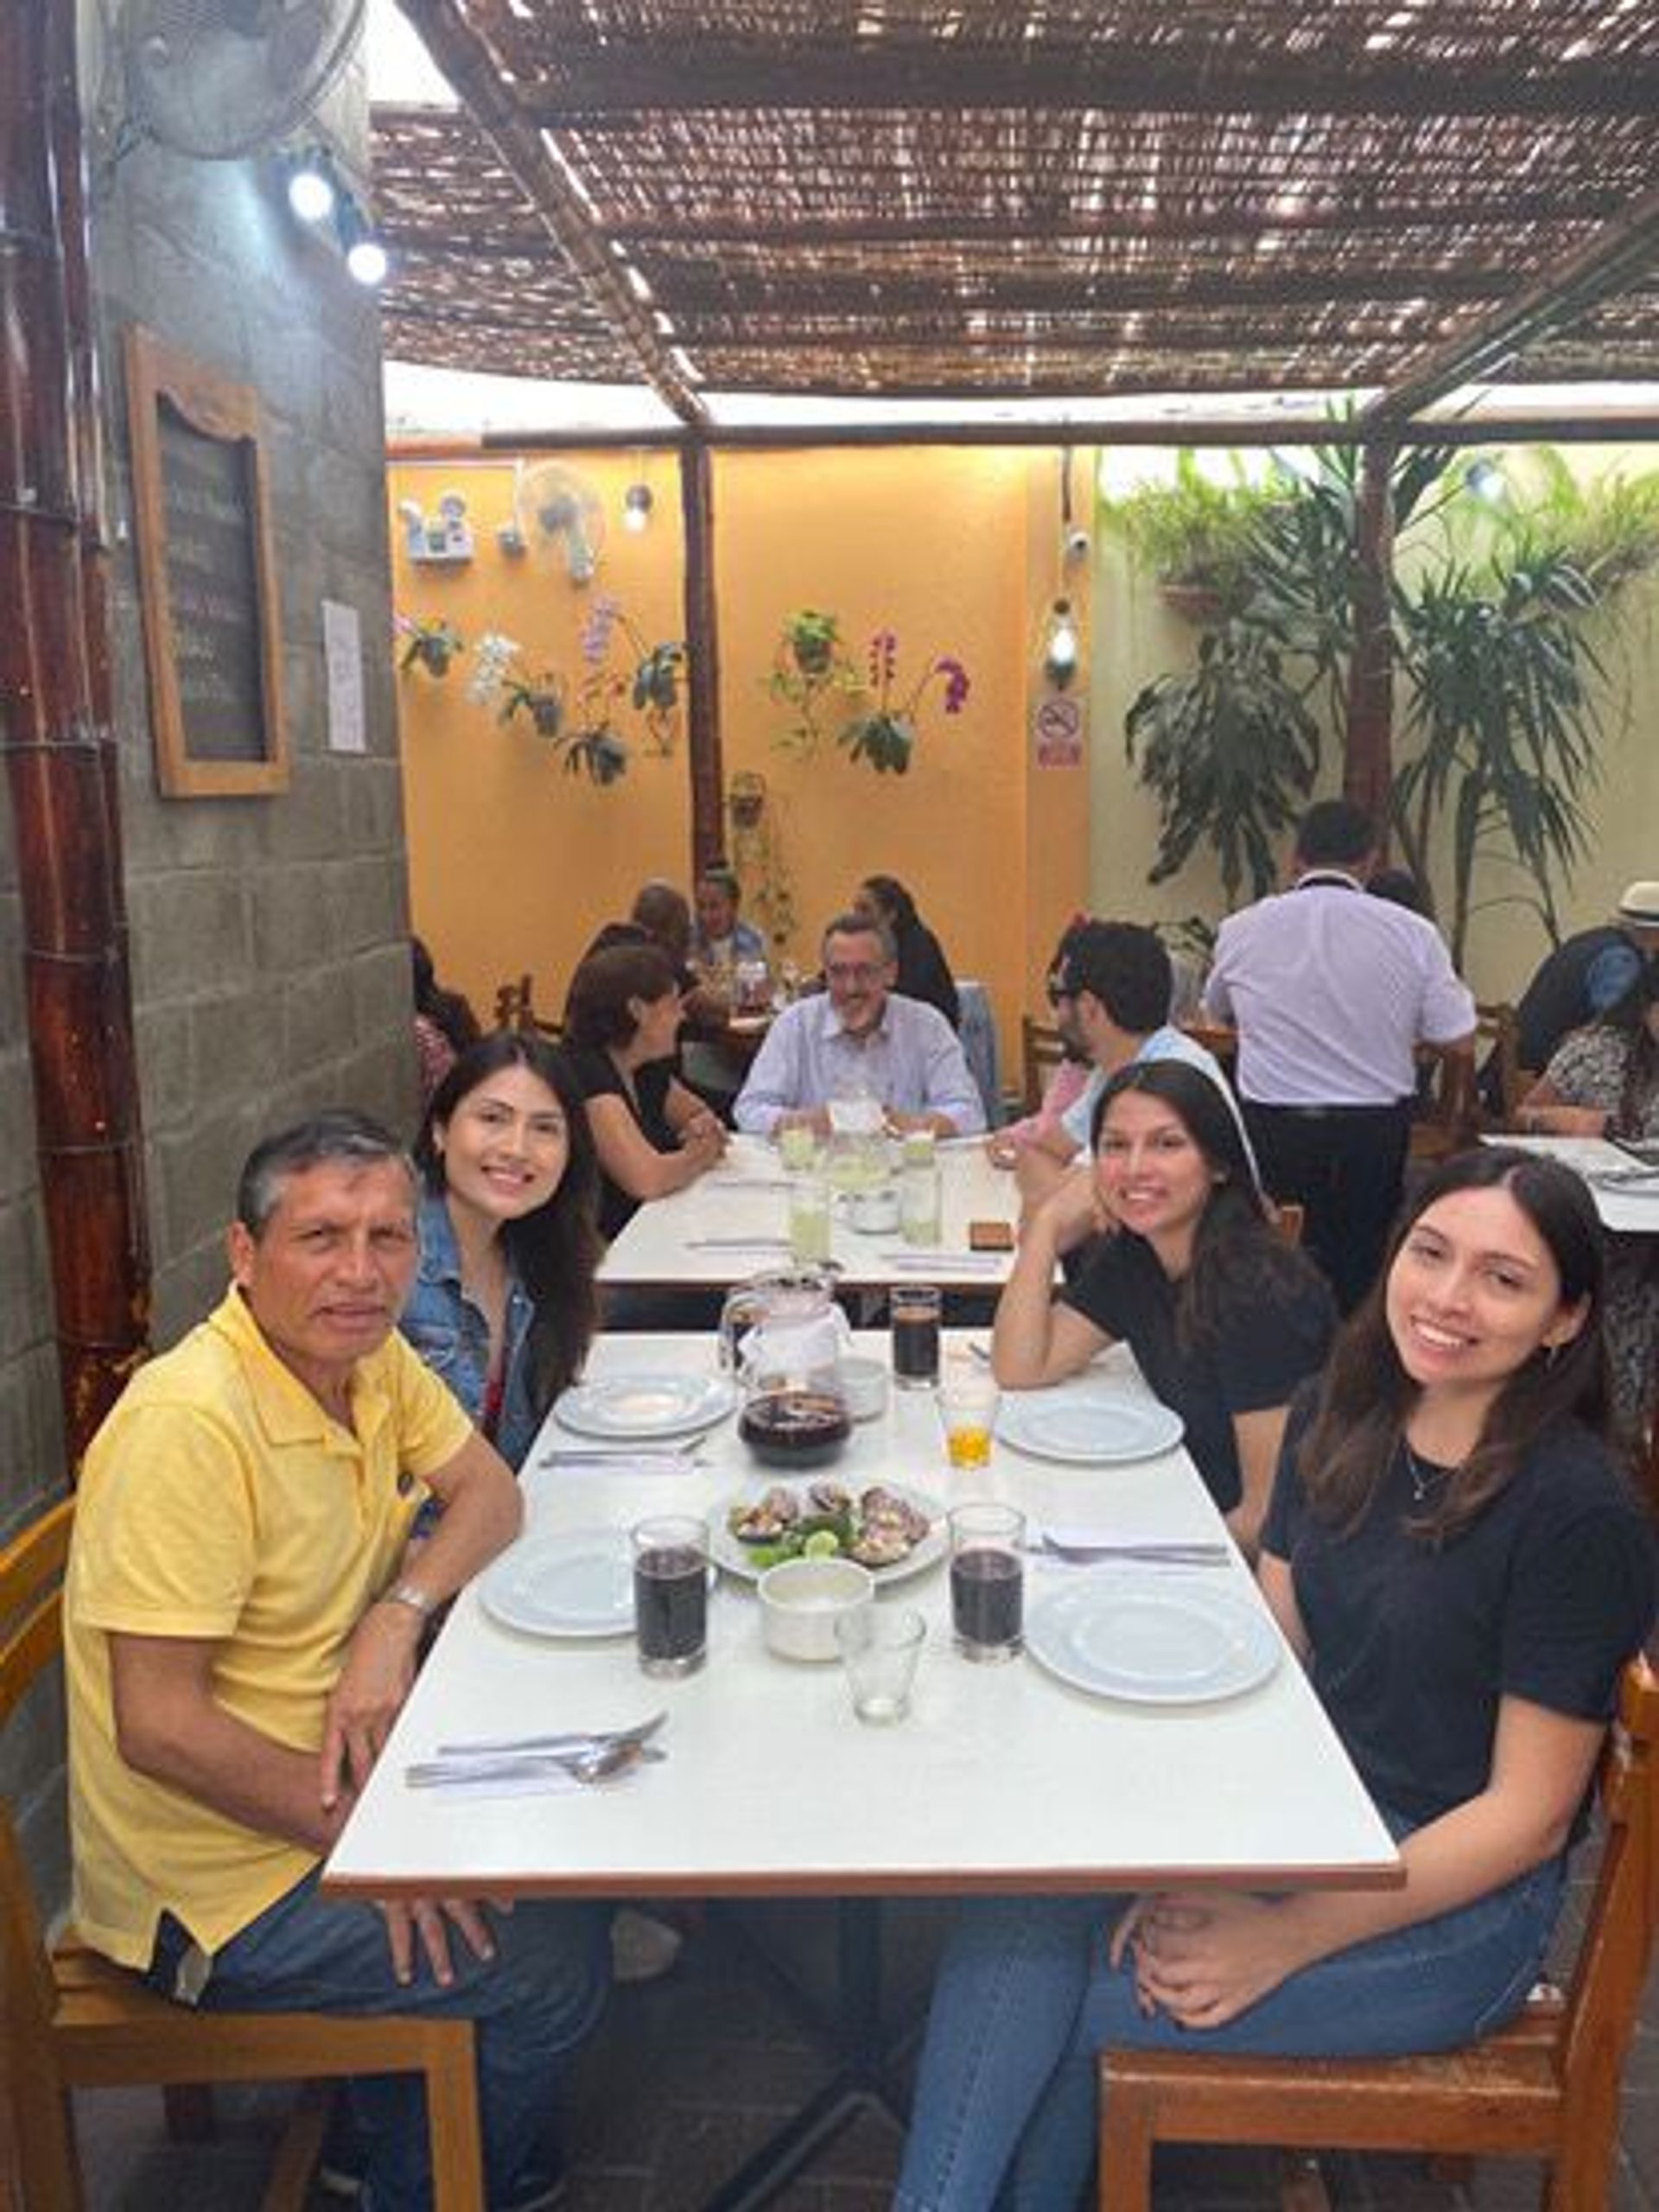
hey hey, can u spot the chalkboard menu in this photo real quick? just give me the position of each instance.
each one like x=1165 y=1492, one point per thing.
x=211 y=630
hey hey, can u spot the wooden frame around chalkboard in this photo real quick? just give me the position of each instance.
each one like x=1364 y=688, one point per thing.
x=162 y=383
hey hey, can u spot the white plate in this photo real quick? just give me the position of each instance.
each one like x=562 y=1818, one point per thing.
x=1151 y=1640
x=737 y=1557
x=647 y=1405
x=562 y=1582
x=1086 y=1429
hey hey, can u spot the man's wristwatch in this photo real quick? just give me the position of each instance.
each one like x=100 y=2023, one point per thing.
x=407 y=1593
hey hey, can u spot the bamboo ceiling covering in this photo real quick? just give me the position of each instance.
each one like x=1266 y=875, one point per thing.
x=974 y=198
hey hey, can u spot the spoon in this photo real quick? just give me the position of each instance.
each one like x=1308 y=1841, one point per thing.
x=598 y=1763
x=572 y=1741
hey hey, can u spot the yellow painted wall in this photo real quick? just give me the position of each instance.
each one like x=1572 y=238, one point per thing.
x=514 y=864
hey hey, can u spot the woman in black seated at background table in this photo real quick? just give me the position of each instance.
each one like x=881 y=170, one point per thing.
x=1453 y=1556
x=1225 y=1317
x=923 y=971
x=1221 y=1314
x=653 y=1135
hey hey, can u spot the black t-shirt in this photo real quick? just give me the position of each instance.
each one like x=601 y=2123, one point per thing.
x=1264 y=1349
x=596 y=1075
x=1543 y=1597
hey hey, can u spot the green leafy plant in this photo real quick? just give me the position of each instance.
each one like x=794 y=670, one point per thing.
x=650 y=684
x=810 y=666
x=429 y=644
x=1194 y=535
x=884 y=734
x=1230 y=751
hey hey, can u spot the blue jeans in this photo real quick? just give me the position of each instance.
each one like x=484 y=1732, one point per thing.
x=1026 y=2001
x=532 y=2004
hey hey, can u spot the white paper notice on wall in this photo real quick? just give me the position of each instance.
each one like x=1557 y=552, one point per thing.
x=342 y=651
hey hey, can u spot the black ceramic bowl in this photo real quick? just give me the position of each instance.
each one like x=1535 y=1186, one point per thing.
x=796 y=1430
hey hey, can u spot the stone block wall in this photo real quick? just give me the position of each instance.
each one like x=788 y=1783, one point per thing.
x=269 y=936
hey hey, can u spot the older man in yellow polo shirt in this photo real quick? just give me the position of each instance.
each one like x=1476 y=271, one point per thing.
x=240 y=1630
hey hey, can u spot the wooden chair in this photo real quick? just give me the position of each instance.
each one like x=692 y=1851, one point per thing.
x=1449 y=1120
x=1217 y=1038
x=1041 y=1052
x=69 y=2020
x=1497 y=1037
x=1547 y=2087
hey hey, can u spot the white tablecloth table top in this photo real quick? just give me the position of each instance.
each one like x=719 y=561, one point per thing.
x=1002 y=1779
x=1628 y=1209
x=695 y=1237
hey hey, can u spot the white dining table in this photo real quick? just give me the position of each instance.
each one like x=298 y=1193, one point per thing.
x=1002 y=1779
x=1627 y=1200
x=734 y=1222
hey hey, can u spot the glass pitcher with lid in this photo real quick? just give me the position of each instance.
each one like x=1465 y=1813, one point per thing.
x=783 y=1333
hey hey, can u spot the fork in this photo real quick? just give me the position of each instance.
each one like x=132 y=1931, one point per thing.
x=599 y=1763
x=570 y=1740
x=1151 y=1552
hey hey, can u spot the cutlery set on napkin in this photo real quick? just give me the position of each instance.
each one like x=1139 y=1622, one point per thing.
x=516 y=1765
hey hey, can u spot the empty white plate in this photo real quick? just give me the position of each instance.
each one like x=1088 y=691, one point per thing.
x=1085 y=1428
x=562 y=1582
x=1152 y=1640
x=629 y=1405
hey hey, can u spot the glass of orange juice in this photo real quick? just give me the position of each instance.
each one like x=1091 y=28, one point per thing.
x=968 y=1403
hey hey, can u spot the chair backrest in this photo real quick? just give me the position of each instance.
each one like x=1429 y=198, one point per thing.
x=1041 y=1051
x=31 y=1638
x=1611 y=1970
x=1498 y=1035
x=1216 y=1037
x=512 y=1004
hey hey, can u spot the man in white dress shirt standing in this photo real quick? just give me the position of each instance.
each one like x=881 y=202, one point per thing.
x=1332 y=992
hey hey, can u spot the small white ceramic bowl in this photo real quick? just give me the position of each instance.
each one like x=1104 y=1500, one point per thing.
x=802 y=1600
x=864 y=1385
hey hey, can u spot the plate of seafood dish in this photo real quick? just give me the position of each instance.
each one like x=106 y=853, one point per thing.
x=895 y=1533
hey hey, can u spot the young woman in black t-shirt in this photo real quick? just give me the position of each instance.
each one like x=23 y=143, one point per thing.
x=1223 y=1316
x=653 y=1135
x=1453 y=1555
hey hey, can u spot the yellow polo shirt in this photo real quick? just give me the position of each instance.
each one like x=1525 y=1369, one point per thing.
x=219 y=1501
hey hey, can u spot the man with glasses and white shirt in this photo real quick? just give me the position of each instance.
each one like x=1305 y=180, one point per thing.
x=859 y=1037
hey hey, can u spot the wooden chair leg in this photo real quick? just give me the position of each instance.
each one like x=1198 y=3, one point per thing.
x=288 y=2188
x=1125 y=2149
x=452 y=2123
x=189 y=2109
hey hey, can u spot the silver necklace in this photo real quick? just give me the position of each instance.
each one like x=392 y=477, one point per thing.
x=1424 y=1477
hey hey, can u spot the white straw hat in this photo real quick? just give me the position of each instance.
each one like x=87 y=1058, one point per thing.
x=1640 y=905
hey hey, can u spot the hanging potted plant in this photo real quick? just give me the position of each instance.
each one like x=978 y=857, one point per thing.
x=884 y=734
x=500 y=679
x=429 y=644
x=652 y=684
x=1197 y=537
x=809 y=665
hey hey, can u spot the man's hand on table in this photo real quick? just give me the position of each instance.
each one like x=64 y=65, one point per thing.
x=376 y=1678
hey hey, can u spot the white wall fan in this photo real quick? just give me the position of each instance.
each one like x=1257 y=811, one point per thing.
x=558 y=508
x=220 y=79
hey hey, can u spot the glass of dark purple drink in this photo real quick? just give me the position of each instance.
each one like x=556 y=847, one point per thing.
x=670 y=1592
x=988 y=1580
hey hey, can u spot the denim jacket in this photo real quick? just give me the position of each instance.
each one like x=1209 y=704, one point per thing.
x=453 y=1337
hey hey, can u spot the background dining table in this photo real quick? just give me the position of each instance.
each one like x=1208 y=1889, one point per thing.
x=1626 y=1194
x=734 y=1222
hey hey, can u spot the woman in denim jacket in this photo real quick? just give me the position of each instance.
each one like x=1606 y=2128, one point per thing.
x=504 y=1306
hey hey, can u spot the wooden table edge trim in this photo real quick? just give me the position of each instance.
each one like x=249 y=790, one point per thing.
x=1030 y=1881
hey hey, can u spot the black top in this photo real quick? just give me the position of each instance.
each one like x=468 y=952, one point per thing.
x=596 y=1075
x=1554 y=1002
x=1265 y=1349
x=924 y=973
x=1544 y=1596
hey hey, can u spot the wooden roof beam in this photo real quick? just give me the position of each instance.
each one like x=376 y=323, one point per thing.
x=468 y=64
x=1625 y=250
x=1192 y=78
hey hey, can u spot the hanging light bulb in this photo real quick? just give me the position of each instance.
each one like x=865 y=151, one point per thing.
x=366 y=257
x=637 y=503
x=1063 y=648
x=310 y=187
x=1486 y=480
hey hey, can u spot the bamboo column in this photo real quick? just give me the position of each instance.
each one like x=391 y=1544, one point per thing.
x=55 y=730
x=702 y=656
x=1368 y=771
